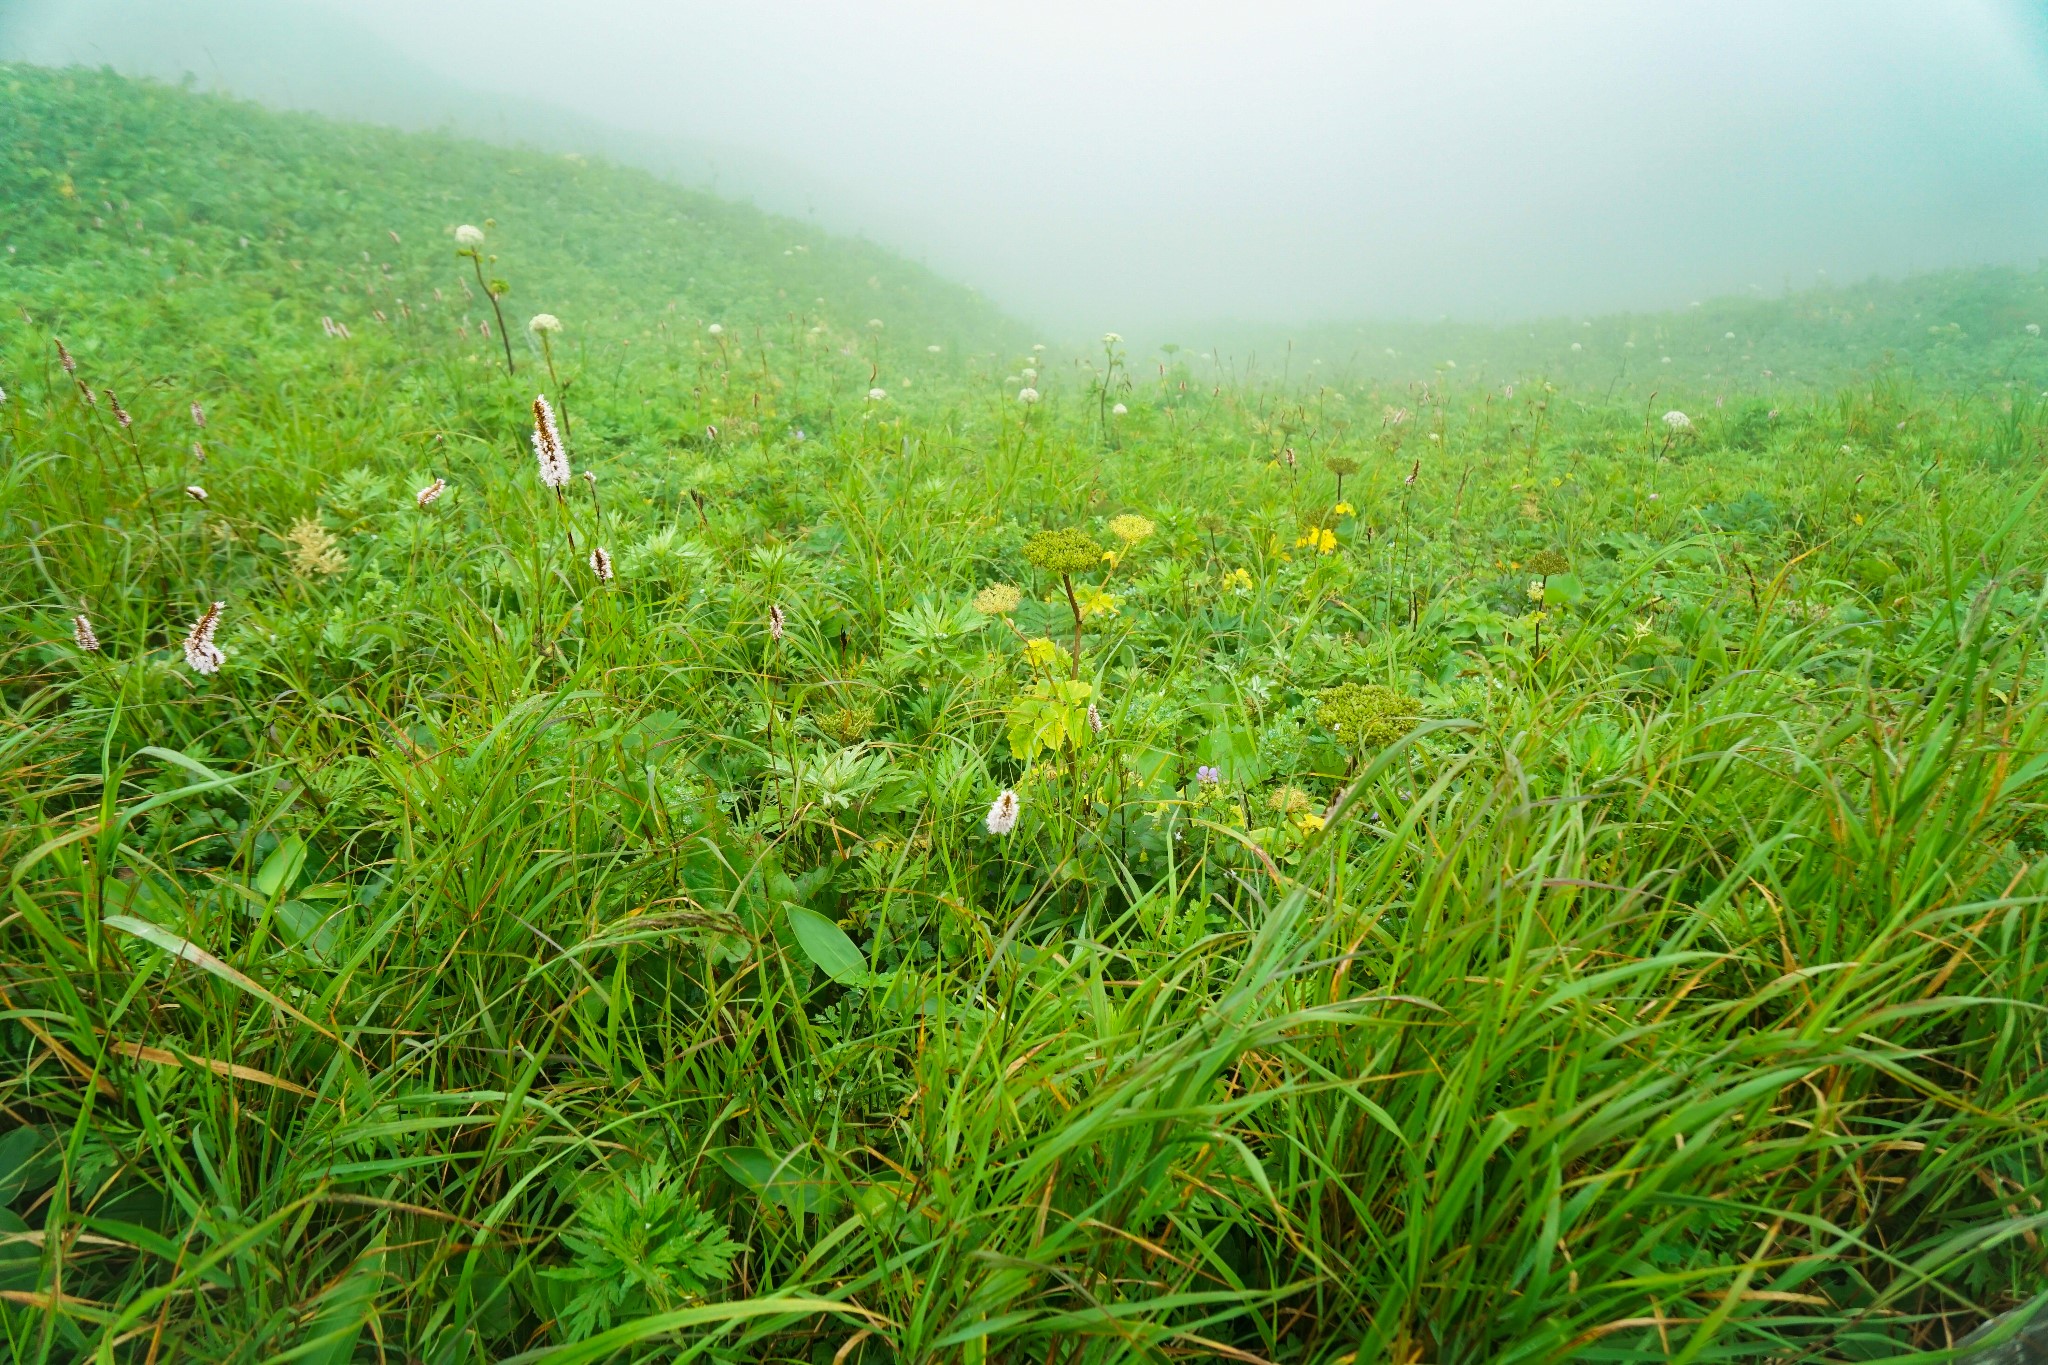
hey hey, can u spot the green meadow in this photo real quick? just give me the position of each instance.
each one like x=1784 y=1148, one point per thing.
x=858 y=836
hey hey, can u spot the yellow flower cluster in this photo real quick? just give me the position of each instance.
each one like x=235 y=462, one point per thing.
x=1130 y=528
x=1237 y=580
x=1041 y=653
x=1321 y=539
x=1345 y=509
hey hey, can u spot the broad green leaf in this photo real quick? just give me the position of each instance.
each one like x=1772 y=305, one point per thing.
x=827 y=945
x=281 y=868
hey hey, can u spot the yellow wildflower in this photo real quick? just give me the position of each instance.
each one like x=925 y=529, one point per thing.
x=1345 y=509
x=1041 y=653
x=1096 y=603
x=1237 y=580
x=1321 y=539
x=1308 y=824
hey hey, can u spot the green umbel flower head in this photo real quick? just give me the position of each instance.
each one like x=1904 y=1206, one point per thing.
x=1066 y=551
x=1368 y=715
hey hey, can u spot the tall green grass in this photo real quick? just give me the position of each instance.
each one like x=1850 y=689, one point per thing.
x=489 y=963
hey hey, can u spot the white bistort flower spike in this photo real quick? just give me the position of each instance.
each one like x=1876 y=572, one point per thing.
x=195 y=492
x=202 y=655
x=775 y=622
x=547 y=445
x=601 y=564
x=431 y=494
x=81 y=632
x=1002 y=815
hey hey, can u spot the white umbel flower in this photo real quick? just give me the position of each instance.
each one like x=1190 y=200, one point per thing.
x=877 y=395
x=1677 y=421
x=547 y=445
x=81 y=632
x=201 y=653
x=544 y=324
x=1027 y=396
x=601 y=564
x=1002 y=815
x=1119 y=410
x=431 y=494
x=716 y=329
x=469 y=236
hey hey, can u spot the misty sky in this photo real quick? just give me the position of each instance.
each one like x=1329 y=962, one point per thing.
x=1135 y=163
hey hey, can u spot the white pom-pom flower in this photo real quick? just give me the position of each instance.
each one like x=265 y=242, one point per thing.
x=1002 y=815
x=469 y=236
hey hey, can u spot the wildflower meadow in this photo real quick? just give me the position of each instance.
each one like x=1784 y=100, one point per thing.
x=593 y=775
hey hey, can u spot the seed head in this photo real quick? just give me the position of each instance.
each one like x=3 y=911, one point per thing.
x=81 y=631
x=1548 y=562
x=202 y=655
x=997 y=599
x=1065 y=551
x=469 y=237
x=601 y=564
x=544 y=324
x=431 y=494
x=64 y=358
x=1343 y=466
x=198 y=416
x=547 y=445
x=1002 y=815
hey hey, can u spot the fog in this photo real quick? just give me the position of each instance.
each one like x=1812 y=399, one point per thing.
x=1137 y=164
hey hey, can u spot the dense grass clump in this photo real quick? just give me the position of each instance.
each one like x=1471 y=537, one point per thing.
x=868 y=868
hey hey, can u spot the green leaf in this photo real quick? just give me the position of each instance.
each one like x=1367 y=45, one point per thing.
x=281 y=868
x=827 y=945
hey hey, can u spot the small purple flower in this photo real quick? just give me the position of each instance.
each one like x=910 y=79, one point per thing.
x=1208 y=775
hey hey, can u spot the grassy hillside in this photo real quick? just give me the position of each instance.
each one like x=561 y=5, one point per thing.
x=872 y=867
x=162 y=215
x=1956 y=330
